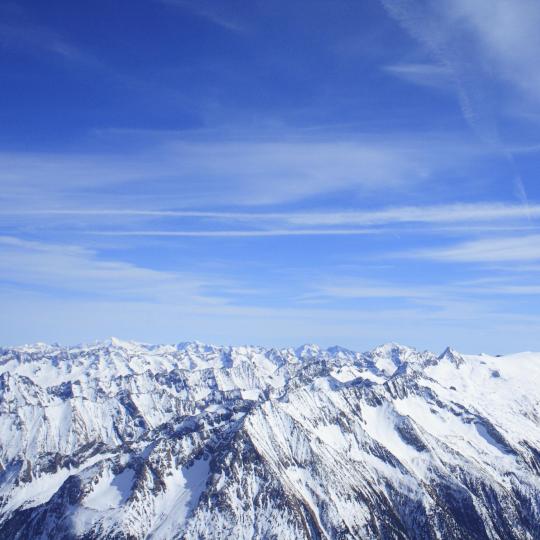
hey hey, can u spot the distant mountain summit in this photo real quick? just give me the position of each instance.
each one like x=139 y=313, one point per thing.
x=121 y=440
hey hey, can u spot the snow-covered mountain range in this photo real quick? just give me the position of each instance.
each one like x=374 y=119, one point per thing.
x=132 y=441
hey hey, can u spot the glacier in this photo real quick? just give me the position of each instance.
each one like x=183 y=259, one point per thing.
x=125 y=440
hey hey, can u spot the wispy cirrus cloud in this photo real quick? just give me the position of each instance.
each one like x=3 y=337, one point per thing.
x=364 y=289
x=430 y=294
x=475 y=42
x=215 y=12
x=487 y=250
x=477 y=216
x=177 y=173
x=39 y=40
x=449 y=213
x=80 y=271
x=487 y=47
x=235 y=233
x=72 y=293
x=434 y=75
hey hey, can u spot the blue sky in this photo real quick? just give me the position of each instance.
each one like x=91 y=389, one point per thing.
x=271 y=172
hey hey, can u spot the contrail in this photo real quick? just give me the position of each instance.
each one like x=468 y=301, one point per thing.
x=428 y=25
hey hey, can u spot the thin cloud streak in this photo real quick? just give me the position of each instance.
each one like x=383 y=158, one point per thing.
x=431 y=75
x=434 y=294
x=200 y=8
x=487 y=250
x=414 y=214
x=37 y=40
x=240 y=234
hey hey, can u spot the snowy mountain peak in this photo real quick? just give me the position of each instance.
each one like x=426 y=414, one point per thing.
x=308 y=350
x=452 y=356
x=116 y=342
x=390 y=347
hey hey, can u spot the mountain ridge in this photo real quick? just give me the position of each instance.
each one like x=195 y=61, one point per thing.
x=132 y=441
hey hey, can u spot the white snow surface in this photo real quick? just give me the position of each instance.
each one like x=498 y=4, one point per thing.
x=111 y=491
